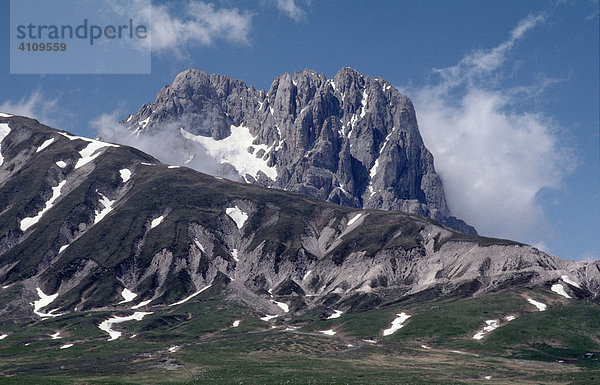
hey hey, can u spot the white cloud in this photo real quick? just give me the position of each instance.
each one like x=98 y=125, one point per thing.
x=493 y=158
x=35 y=106
x=291 y=9
x=199 y=24
x=164 y=143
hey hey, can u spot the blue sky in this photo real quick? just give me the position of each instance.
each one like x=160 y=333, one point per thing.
x=506 y=92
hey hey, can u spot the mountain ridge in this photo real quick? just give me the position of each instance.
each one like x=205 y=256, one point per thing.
x=167 y=232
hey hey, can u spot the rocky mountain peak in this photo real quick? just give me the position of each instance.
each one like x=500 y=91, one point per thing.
x=352 y=140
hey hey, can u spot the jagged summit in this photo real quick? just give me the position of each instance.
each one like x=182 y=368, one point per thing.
x=352 y=140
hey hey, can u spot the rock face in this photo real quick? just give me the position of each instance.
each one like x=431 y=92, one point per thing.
x=351 y=140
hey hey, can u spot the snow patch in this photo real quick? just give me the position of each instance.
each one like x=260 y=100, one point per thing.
x=234 y=150
x=107 y=208
x=282 y=305
x=306 y=275
x=45 y=144
x=336 y=314
x=568 y=280
x=234 y=254
x=268 y=317
x=238 y=216
x=236 y=323
x=127 y=295
x=174 y=349
x=55 y=336
x=61 y=164
x=191 y=296
x=491 y=325
x=144 y=123
x=4 y=131
x=328 y=332
x=397 y=324
x=89 y=152
x=62 y=248
x=509 y=318
x=199 y=245
x=560 y=290
x=66 y=346
x=370 y=341
x=173 y=166
x=4 y=115
x=539 y=305
x=488 y=377
x=157 y=221
x=425 y=347
x=129 y=118
x=365 y=96
x=44 y=301
x=30 y=221
x=3 y=336
x=125 y=174
x=107 y=325
x=141 y=304
x=354 y=219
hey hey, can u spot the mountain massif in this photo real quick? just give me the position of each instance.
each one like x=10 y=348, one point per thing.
x=101 y=243
x=351 y=140
x=86 y=220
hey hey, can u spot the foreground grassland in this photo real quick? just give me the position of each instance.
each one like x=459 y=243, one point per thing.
x=195 y=344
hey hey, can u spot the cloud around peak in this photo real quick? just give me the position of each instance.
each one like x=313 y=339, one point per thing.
x=493 y=157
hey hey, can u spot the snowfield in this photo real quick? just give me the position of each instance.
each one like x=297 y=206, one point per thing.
x=45 y=144
x=107 y=208
x=4 y=131
x=539 y=305
x=492 y=324
x=30 y=221
x=397 y=324
x=107 y=325
x=560 y=290
x=282 y=305
x=89 y=152
x=157 y=221
x=238 y=216
x=127 y=295
x=191 y=296
x=354 y=219
x=125 y=174
x=336 y=314
x=44 y=301
x=568 y=280
x=328 y=332
x=234 y=150
x=141 y=304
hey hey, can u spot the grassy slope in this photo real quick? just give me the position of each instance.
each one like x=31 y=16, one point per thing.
x=524 y=350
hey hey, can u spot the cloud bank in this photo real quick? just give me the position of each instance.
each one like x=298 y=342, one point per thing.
x=35 y=106
x=290 y=9
x=164 y=143
x=493 y=158
x=199 y=24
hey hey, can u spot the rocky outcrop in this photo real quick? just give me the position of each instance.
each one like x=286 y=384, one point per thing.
x=351 y=140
